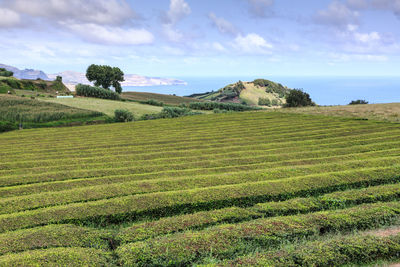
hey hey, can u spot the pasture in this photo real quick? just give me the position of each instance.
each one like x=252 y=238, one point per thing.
x=251 y=188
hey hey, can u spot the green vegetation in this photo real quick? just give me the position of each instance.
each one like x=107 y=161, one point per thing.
x=97 y=92
x=106 y=106
x=298 y=98
x=358 y=102
x=122 y=115
x=249 y=187
x=11 y=84
x=159 y=98
x=257 y=92
x=220 y=106
x=34 y=113
x=105 y=76
x=5 y=73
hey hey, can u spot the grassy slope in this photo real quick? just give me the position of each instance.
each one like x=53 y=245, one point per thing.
x=166 y=99
x=113 y=176
x=252 y=93
x=41 y=86
x=106 y=106
x=383 y=112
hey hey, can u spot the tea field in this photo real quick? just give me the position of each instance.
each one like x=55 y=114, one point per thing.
x=236 y=189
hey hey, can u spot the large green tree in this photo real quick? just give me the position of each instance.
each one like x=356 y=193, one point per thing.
x=105 y=76
x=298 y=98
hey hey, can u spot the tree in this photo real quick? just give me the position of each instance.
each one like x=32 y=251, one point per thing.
x=105 y=76
x=298 y=98
x=5 y=73
x=358 y=102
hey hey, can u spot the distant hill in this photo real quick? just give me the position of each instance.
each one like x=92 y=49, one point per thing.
x=29 y=74
x=166 y=99
x=72 y=78
x=258 y=92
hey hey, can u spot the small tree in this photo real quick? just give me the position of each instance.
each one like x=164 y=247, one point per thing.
x=58 y=79
x=105 y=76
x=122 y=115
x=298 y=98
x=358 y=102
x=5 y=73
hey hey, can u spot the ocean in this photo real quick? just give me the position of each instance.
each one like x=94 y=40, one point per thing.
x=323 y=90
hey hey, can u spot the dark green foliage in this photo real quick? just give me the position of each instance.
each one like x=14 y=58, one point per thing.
x=170 y=112
x=152 y=102
x=6 y=126
x=122 y=115
x=105 y=76
x=5 y=73
x=298 y=98
x=221 y=106
x=59 y=79
x=358 y=102
x=264 y=102
x=98 y=92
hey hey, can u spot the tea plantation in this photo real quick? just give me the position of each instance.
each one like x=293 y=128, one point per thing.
x=236 y=189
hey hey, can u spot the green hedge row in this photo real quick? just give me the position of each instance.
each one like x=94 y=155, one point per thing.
x=169 y=203
x=203 y=219
x=59 y=257
x=98 y=92
x=220 y=106
x=337 y=251
x=46 y=199
x=62 y=235
x=238 y=239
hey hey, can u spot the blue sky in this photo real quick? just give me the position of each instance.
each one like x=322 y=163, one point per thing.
x=180 y=38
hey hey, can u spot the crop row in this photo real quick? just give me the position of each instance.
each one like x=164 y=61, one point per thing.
x=237 y=239
x=58 y=257
x=91 y=144
x=40 y=200
x=62 y=235
x=190 y=155
x=304 y=165
x=199 y=220
x=16 y=179
x=169 y=203
x=335 y=251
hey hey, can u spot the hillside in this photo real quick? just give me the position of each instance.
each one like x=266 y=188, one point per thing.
x=166 y=99
x=258 y=92
x=381 y=112
x=41 y=86
x=29 y=74
x=239 y=189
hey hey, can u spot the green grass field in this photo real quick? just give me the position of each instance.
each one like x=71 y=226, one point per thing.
x=240 y=189
x=166 y=99
x=106 y=106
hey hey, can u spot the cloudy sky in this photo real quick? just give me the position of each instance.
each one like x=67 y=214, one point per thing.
x=204 y=37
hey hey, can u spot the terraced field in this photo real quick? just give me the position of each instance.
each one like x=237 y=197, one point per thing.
x=235 y=189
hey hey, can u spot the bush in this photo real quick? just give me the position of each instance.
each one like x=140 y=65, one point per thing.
x=358 y=102
x=6 y=126
x=298 y=98
x=264 y=102
x=122 y=115
x=5 y=73
x=92 y=91
x=152 y=102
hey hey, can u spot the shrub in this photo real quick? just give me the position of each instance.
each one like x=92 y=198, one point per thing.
x=298 y=98
x=122 y=115
x=153 y=103
x=92 y=91
x=5 y=73
x=6 y=126
x=264 y=102
x=358 y=102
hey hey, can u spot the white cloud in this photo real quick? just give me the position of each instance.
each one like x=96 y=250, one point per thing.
x=367 y=37
x=260 y=8
x=252 y=44
x=172 y=34
x=8 y=18
x=339 y=57
x=104 y=12
x=178 y=9
x=222 y=25
x=111 y=35
x=219 y=47
x=337 y=14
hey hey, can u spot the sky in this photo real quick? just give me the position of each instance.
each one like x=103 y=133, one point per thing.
x=178 y=38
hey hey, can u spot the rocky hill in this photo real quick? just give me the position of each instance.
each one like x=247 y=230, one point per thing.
x=259 y=92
